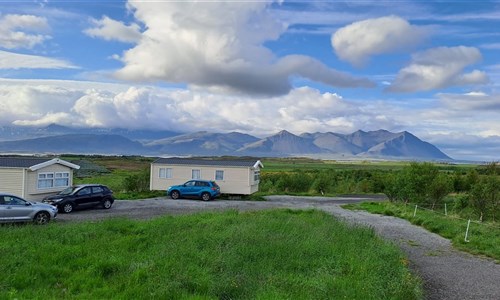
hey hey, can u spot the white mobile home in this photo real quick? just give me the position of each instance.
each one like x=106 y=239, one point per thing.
x=233 y=176
x=34 y=178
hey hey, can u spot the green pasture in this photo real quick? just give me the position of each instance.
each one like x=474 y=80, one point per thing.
x=278 y=254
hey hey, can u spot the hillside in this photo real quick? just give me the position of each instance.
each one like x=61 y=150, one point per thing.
x=375 y=144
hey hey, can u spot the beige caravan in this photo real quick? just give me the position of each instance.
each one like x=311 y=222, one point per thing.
x=233 y=176
x=34 y=178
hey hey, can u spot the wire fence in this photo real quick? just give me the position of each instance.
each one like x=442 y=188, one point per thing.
x=442 y=209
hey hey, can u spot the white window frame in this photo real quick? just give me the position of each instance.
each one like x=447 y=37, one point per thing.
x=165 y=173
x=61 y=179
x=195 y=173
x=45 y=180
x=50 y=180
x=219 y=174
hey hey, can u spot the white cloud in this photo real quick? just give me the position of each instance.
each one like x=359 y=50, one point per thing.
x=473 y=101
x=439 y=68
x=22 y=31
x=42 y=102
x=491 y=46
x=10 y=60
x=464 y=146
x=358 y=41
x=21 y=102
x=220 y=46
x=109 y=29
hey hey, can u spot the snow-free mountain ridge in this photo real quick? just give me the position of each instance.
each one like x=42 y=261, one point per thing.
x=371 y=144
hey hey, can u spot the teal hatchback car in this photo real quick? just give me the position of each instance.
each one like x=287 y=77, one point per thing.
x=203 y=189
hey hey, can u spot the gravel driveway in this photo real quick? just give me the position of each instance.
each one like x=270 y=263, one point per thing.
x=447 y=273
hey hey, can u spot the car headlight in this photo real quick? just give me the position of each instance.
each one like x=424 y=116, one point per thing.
x=57 y=200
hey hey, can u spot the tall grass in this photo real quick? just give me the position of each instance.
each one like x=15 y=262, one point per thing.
x=278 y=254
x=483 y=238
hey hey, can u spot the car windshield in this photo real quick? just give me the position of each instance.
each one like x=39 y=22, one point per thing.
x=68 y=191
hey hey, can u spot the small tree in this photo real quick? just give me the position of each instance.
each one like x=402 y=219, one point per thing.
x=485 y=197
x=478 y=199
x=440 y=187
x=493 y=168
x=391 y=187
x=414 y=181
x=492 y=194
x=471 y=179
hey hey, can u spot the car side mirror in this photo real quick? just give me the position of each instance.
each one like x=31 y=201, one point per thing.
x=28 y=204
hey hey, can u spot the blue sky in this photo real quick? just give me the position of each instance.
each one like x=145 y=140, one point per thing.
x=428 y=67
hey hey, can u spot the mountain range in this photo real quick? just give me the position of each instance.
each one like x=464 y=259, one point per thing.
x=380 y=144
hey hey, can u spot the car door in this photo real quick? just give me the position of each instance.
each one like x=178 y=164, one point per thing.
x=83 y=196
x=199 y=186
x=189 y=188
x=15 y=208
x=97 y=194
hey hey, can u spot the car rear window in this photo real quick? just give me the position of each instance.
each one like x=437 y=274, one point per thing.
x=214 y=184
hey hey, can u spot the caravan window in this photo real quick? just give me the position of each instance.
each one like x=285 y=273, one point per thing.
x=219 y=175
x=195 y=174
x=165 y=173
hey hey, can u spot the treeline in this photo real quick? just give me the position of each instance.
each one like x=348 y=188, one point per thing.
x=474 y=191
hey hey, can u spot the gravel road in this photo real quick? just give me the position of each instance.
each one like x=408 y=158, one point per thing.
x=447 y=273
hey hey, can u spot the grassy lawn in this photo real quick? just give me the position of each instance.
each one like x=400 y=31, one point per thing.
x=483 y=238
x=277 y=254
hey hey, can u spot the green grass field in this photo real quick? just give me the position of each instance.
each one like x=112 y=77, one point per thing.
x=483 y=238
x=309 y=164
x=278 y=254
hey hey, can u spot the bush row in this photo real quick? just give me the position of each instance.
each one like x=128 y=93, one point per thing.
x=423 y=183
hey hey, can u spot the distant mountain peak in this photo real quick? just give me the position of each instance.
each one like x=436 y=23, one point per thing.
x=55 y=138
x=284 y=133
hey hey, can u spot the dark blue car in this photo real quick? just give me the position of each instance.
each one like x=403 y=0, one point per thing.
x=203 y=189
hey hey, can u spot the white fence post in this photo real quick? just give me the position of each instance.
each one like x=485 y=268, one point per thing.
x=415 y=212
x=467 y=232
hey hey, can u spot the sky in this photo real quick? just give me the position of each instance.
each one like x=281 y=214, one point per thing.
x=431 y=68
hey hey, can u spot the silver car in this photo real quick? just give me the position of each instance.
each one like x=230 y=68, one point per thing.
x=16 y=209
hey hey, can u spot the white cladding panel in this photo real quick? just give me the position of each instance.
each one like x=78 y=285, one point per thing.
x=11 y=181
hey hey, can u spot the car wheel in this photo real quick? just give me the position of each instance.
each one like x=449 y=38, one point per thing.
x=205 y=196
x=175 y=195
x=41 y=218
x=107 y=204
x=67 y=208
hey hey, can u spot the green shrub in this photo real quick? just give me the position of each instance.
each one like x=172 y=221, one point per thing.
x=137 y=182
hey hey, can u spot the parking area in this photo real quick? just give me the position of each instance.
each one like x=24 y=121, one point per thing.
x=150 y=208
